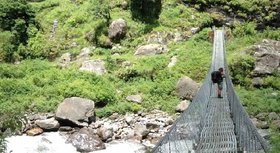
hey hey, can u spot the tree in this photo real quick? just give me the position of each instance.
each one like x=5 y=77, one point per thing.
x=15 y=18
x=146 y=10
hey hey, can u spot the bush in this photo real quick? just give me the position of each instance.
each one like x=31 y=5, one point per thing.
x=240 y=68
x=146 y=10
x=247 y=29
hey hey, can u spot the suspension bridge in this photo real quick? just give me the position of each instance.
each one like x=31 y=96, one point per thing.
x=211 y=124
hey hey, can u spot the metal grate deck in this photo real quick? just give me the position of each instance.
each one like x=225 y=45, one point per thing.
x=217 y=134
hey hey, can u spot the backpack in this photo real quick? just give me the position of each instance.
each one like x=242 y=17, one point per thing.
x=214 y=77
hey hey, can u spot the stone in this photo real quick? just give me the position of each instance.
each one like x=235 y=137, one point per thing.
x=94 y=66
x=262 y=125
x=126 y=64
x=124 y=5
x=140 y=131
x=194 y=30
x=264 y=133
x=134 y=98
x=48 y=124
x=257 y=81
x=254 y=121
x=182 y=106
x=114 y=116
x=35 y=131
x=262 y=116
x=273 y=116
x=186 y=88
x=129 y=119
x=179 y=37
x=267 y=56
x=156 y=37
x=65 y=60
x=105 y=133
x=75 y=110
x=85 y=54
x=151 y=49
x=152 y=125
x=117 y=30
x=65 y=128
x=276 y=124
x=172 y=62
x=86 y=141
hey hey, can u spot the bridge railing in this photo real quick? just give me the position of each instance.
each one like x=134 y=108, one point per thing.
x=184 y=135
x=248 y=138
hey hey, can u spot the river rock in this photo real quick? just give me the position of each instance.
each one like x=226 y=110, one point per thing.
x=35 y=131
x=48 y=124
x=105 y=133
x=186 y=88
x=140 y=131
x=86 y=141
x=76 y=110
x=182 y=106
x=151 y=49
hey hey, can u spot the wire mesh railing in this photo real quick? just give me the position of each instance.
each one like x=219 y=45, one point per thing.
x=184 y=136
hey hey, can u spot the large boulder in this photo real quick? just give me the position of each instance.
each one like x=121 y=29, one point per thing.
x=48 y=124
x=117 y=30
x=75 y=110
x=151 y=49
x=94 y=66
x=85 y=141
x=267 y=56
x=186 y=88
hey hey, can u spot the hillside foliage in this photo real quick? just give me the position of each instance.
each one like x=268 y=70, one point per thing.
x=31 y=44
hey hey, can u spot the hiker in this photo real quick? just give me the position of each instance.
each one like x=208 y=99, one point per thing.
x=217 y=77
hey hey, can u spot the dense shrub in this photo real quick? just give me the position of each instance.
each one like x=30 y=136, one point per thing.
x=146 y=10
x=15 y=17
x=245 y=29
x=240 y=69
x=263 y=12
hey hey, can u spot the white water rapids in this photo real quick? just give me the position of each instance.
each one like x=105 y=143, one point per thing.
x=53 y=142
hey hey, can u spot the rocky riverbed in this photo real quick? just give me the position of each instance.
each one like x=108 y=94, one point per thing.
x=75 y=128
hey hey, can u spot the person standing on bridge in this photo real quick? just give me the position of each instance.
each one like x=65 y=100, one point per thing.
x=217 y=77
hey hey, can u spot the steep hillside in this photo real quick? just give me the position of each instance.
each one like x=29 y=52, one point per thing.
x=35 y=78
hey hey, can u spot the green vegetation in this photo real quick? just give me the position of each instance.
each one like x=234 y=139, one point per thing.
x=263 y=12
x=146 y=10
x=37 y=84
